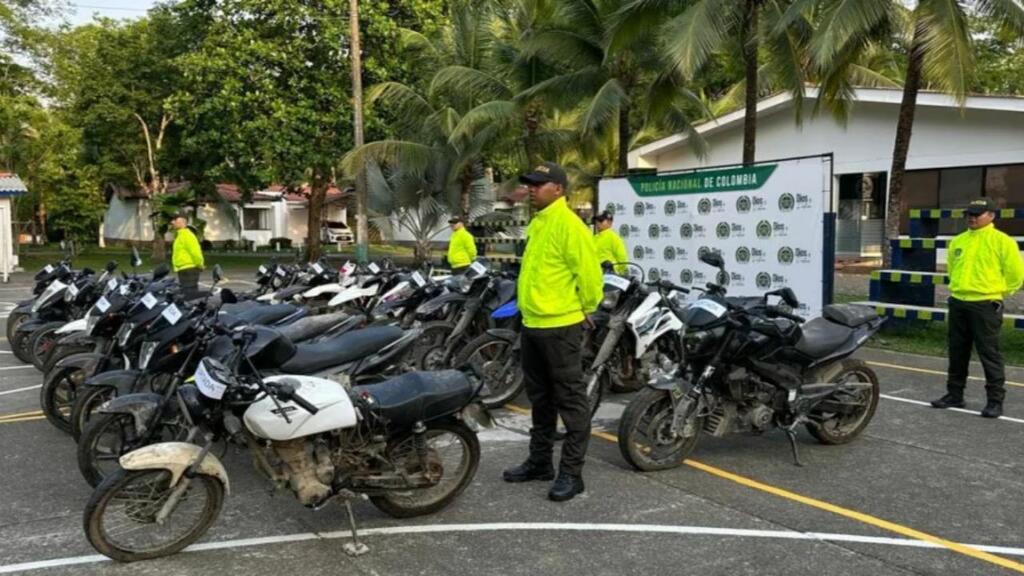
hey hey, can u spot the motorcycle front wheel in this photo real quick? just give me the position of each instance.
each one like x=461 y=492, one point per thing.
x=843 y=416
x=57 y=396
x=41 y=344
x=496 y=361
x=120 y=518
x=14 y=320
x=647 y=439
x=429 y=352
x=107 y=437
x=453 y=453
x=87 y=401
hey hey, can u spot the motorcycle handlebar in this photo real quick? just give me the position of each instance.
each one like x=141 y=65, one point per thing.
x=775 y=311
x=287 y=393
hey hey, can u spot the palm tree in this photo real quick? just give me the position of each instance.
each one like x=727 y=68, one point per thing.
x=939 y=53
x=696 y=30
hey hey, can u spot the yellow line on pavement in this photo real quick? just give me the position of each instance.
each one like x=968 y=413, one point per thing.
x=20 y=415
x=822 y=505
x=25 y=419
x=935 y=372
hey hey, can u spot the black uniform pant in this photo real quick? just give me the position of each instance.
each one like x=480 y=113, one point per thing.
x=554 y=384
x=977 y=325
x=189 y=280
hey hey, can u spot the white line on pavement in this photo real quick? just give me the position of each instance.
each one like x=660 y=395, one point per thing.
x=25 y=389
x=16 y=367
x=526 y=526
x=928 y=404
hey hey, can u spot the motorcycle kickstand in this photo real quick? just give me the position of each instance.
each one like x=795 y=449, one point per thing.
x=355 y=547
x=791 y=435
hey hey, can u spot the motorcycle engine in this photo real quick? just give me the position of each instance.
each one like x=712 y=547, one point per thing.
x=306 y=469
x=748 y=407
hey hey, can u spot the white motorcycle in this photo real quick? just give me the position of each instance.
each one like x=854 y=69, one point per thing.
x=409 y=444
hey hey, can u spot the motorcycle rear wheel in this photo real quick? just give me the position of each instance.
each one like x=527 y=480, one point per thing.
x=495 y=360
x=20 y=346
x=429 y=351
x=107 y=437
x=451 y=437
x=57 y=396
x=646 y=438
x=87 y=401
x=41 y=344
x=834 y=429
x=132 y=498
x=14 y=320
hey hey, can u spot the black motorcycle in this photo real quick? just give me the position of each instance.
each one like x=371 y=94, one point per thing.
x=754 y=368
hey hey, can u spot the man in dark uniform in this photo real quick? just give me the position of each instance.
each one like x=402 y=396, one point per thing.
x=984 y=266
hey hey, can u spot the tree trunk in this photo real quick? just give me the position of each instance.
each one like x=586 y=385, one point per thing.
x=904 y=126
x=355 y=56
x=317 y=194
x=532 y=121
x=466 y=194
x=625 y=135
x=749 y=41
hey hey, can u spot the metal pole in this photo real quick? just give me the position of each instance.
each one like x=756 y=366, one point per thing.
x=362 y=246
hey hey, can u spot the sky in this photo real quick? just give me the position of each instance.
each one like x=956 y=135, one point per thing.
x=82 y=11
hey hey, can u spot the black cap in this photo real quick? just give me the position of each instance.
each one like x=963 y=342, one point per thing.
x=544 y=173
x=982 y=205
x=454 y=220
x=603 y=216
x=181 y=214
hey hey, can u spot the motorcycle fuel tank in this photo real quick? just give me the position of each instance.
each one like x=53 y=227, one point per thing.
x=336 y=411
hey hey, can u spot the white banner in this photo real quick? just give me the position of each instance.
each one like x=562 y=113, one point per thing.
x=766 y=220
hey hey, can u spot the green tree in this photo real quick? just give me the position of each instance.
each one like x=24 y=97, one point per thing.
x=940 y=54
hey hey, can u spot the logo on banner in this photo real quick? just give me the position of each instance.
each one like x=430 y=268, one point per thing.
x=764 y=229
x=787 y=202
x=624 y=230
x=737 y=230
x=786 y=255
x=704 y=250
x=722 y=230
x=743 y=204
x=670 y=253
x=803 y=201
x=736 y=279
x=638 y=209
x=758 y=203
x=704 y=206
x=779 y=280
x=780 y=229
x=686 y=231
x=763 y=280
x=653 y=231
x=722 y=278
x=756 y=254
x=638 y=253
x=611 y=208
x=685 y=277
x=654 y=275
x=670 y=208
x=743 y=255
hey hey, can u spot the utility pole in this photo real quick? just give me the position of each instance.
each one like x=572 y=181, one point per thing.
x=362 y=233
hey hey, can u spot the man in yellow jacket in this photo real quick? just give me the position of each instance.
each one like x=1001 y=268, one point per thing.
x=984 y=267
x=186 y=256
x=560 y=284
x=610 y=247
x=461 y=247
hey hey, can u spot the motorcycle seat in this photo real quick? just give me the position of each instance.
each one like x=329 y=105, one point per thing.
x=821 y=337
x=267 y=314
x=311 y=326
x=314 y=357
x=417 y=396
x=850 y=315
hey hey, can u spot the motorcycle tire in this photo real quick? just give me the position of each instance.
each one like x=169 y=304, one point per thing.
x=429 y=351
x=15 y=320
x=154 y=485
x=421 y=501
x=650 y=412
x=61 y=352
x=20 y=346
x=57 y=396
x=494 y=359
x=837 y=430
x=41 y=344
x=87 y=401
x=92 y=454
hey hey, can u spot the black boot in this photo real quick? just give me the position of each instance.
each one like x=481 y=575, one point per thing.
x=528 y=471
x=993 y=409
x=950 y=400
x=565 y=487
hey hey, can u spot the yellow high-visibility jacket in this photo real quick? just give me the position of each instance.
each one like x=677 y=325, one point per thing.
x=984 y=264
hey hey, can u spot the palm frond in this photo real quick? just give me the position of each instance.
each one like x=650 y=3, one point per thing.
x=413 y=157
x=504 y=114
x=569 y=49
x=843 y=20
x=566 y=90
x=1009 y=13
x=946 y=41
x=635 y=19
x=407 y=105
x=467 y=86
x=603 y=108
x=693 y=35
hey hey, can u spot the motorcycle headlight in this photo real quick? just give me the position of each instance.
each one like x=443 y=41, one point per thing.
x=611 y=300
x=126 y=333
x=146 y=354
x=648 y=323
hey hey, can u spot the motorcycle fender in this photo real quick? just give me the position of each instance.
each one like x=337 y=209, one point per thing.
x=24 y=307
x=86 y=361
x=175 y=457
x=477 y=417
x=507 y=335
x=77 y=339
x=30 y=326
x=141 y=406
x=123 y=381
x=72 y=327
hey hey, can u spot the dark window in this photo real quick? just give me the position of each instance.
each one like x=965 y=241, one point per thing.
x=256 y=218
x=920 y=190
x=1006 y=185
x=957 y=187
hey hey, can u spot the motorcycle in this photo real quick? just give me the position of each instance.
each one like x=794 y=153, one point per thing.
x=753 y=368
x=408 y=444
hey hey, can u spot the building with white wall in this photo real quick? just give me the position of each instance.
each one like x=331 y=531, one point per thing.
x=10 y=187
x=955 y=154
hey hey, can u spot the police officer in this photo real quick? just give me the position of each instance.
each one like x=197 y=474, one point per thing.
x=461 y=246
x=984 y=267
x=560 y=283
x=186 y=256
x=610 y=247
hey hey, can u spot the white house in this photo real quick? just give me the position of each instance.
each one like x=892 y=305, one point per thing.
x=955 y=154
x=10 y=187
x=270 y=213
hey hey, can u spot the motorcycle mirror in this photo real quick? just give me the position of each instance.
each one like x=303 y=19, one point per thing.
x=111 y=266
x=218 y=274
x=136 y=259
x=227 y=296
x=789 y=297
x=161 y=271
x=713 y=259
x=88 y=271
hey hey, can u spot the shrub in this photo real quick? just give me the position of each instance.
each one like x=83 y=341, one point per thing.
x=281 y=243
